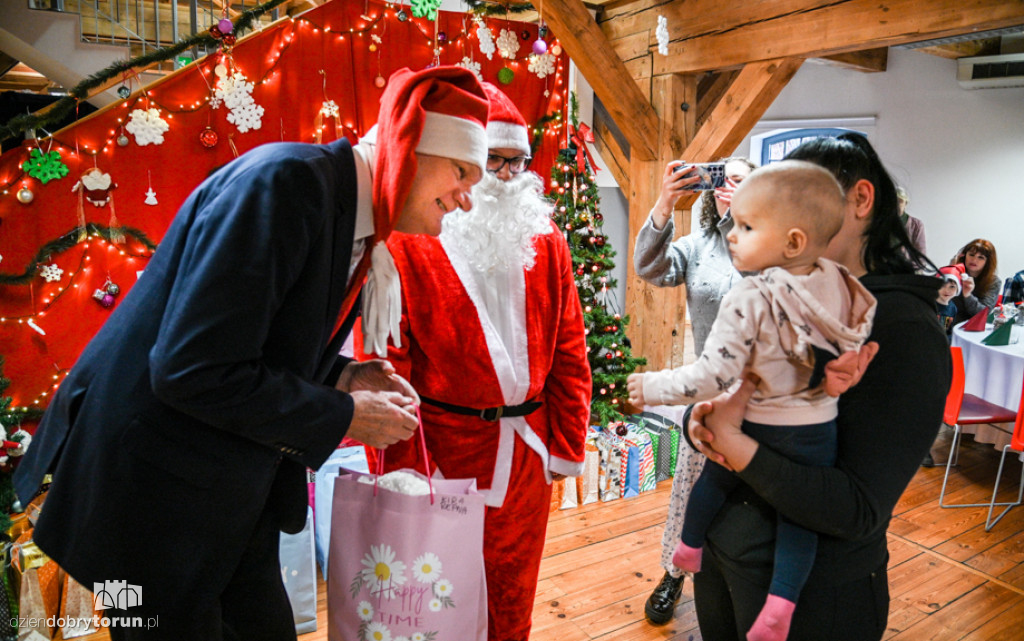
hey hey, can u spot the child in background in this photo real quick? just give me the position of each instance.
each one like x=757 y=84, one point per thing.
x=784 y=325
x=945 y=308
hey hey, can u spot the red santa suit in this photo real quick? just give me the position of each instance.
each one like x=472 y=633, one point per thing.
x=480 y=342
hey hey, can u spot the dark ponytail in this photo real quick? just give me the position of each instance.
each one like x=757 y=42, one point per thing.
x=850 y=157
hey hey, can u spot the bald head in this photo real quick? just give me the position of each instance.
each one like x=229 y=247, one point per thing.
x=800 y=194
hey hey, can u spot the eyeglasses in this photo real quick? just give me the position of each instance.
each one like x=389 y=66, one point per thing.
x=516 y=165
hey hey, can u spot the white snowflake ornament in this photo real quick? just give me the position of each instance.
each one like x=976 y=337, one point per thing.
x=50 y=272
x=508 y=44
x=486 y=38
x=234 y=91
x=147 y=126
x=661 y=33
x=542 y=65
x=330 y=109
x=468 y=63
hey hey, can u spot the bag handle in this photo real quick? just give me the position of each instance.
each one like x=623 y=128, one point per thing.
x=423 y=449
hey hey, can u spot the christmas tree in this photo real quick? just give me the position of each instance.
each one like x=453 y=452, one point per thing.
x=576 y=199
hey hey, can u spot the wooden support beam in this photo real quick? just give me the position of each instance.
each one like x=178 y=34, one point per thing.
x=868 y=60
x=710 y=90
x=614 y=151
x=836 y=27
x=590 y=50
x=658 y=314
x=749 y=96
x=967 y=49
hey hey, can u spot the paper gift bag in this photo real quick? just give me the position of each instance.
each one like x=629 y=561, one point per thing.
x=587 y=483
x=557 y=491
x=407 y=566
x=8 y=598
x=298 y=571
x=569 y=497
x=349 y=458
x=78 y=616
x=609 y=473
x=645 y=461
x=39 y=595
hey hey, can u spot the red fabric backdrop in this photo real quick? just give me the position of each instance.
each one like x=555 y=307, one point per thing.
x=285 y=62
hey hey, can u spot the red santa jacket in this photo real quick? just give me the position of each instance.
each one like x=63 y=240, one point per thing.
x=451 y=352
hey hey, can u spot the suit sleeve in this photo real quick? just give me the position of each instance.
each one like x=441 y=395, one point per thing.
x=239 y=268
x=568 y=386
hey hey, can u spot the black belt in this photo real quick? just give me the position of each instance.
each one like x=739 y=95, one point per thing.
x=489 y=414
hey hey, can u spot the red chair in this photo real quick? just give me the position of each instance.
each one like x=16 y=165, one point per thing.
x=968 y=409
x=1016 y=445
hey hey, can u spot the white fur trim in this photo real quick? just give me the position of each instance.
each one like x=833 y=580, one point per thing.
x=507 y=135
x=453 y=137
x=565 y=467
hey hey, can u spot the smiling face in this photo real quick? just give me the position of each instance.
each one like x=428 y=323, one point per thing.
x=947 y=291
x=440 y=185
x=975 y=261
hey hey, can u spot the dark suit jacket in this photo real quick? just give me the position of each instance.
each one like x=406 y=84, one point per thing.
x=198 y=405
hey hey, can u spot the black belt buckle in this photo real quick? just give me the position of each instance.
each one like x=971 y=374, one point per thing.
x=492 y=414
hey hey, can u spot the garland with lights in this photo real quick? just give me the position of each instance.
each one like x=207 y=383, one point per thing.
x=66 y=242
x=493 y=7
x=63 y=107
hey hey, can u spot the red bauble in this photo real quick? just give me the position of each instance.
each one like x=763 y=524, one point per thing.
x=208 y=138
x=600 y=241
x=622 y=430
x=228 y=40
x=216 y=33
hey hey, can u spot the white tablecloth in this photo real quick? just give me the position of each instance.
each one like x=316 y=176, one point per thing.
x=994 y=373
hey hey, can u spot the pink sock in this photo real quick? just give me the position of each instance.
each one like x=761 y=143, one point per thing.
x=687 y=558
x=773 y=622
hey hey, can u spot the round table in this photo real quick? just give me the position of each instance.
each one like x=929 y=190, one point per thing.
x=994 y=373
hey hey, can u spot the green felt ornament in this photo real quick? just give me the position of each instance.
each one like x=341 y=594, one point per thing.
x=505 y=75
x=425 y=8
x=44 y=167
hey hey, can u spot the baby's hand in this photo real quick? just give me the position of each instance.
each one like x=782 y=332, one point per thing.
x=635 y=385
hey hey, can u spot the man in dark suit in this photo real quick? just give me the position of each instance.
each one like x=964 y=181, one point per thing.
x=178 y=443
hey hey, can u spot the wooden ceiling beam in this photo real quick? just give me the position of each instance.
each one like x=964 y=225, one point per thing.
x=588 y=47
x=868 y=60
x=837 y=27
x=748 y=97
x=967 y=49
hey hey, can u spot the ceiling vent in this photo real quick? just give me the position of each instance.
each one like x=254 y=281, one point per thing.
x=987 y=72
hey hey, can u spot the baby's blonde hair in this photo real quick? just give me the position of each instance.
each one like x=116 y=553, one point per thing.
x=804 y=195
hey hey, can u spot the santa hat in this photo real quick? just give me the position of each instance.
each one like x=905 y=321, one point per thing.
x=506 y=127
x=954 y=274
x=439 y=111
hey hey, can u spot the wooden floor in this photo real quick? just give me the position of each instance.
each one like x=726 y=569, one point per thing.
x=949 y=579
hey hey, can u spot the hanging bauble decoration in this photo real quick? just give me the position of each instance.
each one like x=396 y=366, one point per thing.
x=105 y=295
x=112 y=288
x=442 y=36
x=124 y=91
x=622 y=430
x=208 y=138
x=556 y=50
x=122 y=140
x=542 y=31
x=540 y=47
x=25 y=196
x=379 y=82
x=505 y=75
x=598 y=217
x=228 y=40
x=373 y=47
x=402 y=15
x=215 y=32
x=225 y=26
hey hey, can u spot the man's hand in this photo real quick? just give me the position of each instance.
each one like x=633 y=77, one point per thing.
x=715 y=427
x=846 y=371
x=380 y=419
x=635 y=386
x=377 y=375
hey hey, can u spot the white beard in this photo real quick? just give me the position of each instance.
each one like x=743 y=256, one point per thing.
x=497 y=233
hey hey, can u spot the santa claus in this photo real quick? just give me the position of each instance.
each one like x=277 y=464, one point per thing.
x=492 y=339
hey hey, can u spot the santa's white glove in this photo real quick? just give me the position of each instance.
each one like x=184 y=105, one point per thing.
x=382 y=302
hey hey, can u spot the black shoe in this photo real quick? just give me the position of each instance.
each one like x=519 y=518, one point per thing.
x=928 y=460
x=661 y=604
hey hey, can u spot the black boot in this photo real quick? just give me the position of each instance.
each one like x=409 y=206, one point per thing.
x=928 y=460
x=662 y=603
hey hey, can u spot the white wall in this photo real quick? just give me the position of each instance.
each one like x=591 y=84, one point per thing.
x=959 y=153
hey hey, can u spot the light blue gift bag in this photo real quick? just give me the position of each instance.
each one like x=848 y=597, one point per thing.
x=350 y=458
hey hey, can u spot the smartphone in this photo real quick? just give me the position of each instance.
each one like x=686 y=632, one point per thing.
x=712 y=175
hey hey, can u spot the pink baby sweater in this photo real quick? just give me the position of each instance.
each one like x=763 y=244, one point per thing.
x=768 y=322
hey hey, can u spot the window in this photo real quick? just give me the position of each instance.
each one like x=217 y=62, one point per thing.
x=771 y=140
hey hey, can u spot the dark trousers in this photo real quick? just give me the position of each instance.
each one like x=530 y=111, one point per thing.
x=728 y=603
x=253 y=607
x=795 y=546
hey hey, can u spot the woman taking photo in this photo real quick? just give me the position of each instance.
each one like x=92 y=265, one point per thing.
x=886 y=424
x=982 y=288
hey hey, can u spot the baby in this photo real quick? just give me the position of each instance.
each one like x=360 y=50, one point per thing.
x=783 y=324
